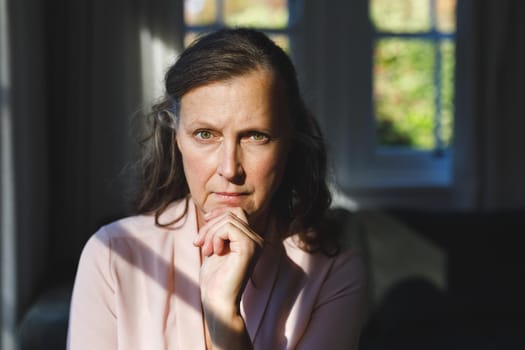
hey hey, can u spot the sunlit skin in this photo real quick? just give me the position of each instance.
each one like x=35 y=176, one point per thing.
x=234 y=137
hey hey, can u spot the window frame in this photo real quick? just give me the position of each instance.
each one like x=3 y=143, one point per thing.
x=294 y=7
x=406 y=167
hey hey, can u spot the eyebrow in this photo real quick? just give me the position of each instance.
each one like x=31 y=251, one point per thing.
x=198 y=124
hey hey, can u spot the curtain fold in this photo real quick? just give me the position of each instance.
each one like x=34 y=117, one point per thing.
x=500 y=140
x=489 y=141
x=106 y=61
x=8 y=288
x=79 y=73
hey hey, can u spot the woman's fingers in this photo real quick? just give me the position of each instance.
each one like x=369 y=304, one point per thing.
x=211 y=218
x=239 y=212
x=228 y=235
x=226 y=229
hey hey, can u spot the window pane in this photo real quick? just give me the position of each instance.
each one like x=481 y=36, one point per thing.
x=282 y=40
x=447 y=91
x=401 y=16
x=200 y=12
x=189 y=37
x=256 y=13
x=404 y=93
x=446 y=15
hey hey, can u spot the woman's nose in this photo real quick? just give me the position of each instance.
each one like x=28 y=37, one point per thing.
x=230 y=165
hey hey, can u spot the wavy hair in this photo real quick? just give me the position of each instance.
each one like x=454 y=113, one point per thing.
x=302 y=198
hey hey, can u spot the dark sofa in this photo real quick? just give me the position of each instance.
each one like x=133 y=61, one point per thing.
x=483 y=306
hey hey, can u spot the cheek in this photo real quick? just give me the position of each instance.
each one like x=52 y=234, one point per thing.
x=196 y=167
x=191 y=157
x=269 y=171
x=190 y=162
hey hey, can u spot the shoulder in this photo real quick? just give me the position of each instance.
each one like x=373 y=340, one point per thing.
x=98 y=252
x=131 y=226
x=347 y=258
x=134 y=235
x=143 y=225
x=340 y=274
x=130 y=229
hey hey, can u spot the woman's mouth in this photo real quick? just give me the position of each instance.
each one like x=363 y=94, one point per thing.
x=230 y=198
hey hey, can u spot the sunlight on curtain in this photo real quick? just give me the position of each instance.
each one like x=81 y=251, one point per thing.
x=156 y=57
x=7 y=205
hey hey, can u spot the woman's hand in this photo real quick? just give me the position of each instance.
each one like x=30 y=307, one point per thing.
x=230 y=249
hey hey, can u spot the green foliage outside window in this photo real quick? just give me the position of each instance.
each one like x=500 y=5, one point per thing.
x=413 y=72
x=400 y=16
x=259 y=14
x=447 y=91
x=404 y=92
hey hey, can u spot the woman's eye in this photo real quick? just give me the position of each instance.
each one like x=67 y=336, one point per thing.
x=204 y=134
x=258 y=136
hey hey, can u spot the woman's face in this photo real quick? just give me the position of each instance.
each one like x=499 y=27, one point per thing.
x=234 y=139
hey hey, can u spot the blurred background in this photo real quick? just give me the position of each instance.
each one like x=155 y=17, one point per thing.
x=422 y=104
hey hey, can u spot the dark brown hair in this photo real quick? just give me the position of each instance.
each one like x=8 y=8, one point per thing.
x=303 y=197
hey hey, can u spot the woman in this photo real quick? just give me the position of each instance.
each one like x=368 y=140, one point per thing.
x=228 y=251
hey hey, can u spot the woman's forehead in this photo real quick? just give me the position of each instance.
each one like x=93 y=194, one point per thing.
x=252 y=96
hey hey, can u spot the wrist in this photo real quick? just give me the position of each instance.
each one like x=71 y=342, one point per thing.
x=221 y=313
x=227 y=330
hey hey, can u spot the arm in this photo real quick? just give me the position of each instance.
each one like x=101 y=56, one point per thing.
x=337 y=318
x=92 y=319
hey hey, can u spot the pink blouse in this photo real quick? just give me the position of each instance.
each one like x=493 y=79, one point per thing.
x=137 y=288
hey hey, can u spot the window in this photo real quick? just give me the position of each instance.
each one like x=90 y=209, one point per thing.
x=413 y=65
x=399 y=143
x=340 y=48
x=271 y=16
